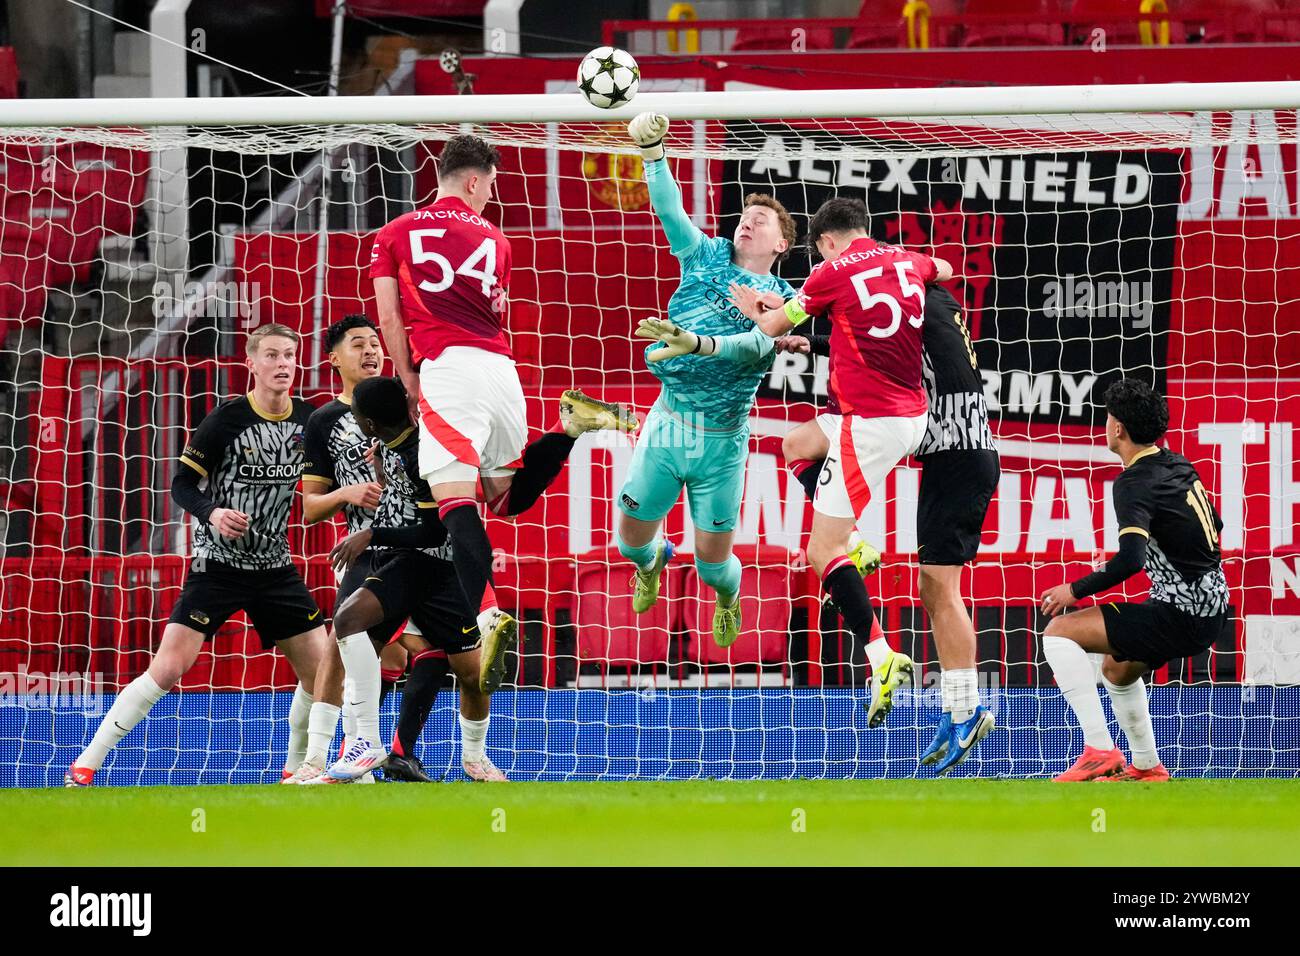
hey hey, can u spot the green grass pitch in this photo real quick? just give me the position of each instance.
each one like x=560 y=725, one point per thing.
x=919 y=822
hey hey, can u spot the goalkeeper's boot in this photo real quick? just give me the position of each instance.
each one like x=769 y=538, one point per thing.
x=307 y=770
x=483 y=771
x=1093 y=765
x=407 y=769
x=581 y=413
x=963 y=737
x=939 y=746
x=646 y=581
x=499 y=631
x=361 y=758
x=726 y=621
x=1131 y=774
x=78 y=777
x=896 y=672
x=864 y=557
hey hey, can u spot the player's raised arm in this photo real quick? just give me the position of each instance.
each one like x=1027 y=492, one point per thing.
x=648 y=131
x=743 y=347
x=320 y=501
x=320 y=504
x=1133 y=512
x=774 y=319
x=393 y=327
x=202 y=455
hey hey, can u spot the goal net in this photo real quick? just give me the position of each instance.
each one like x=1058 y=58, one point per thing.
x=1156 y=238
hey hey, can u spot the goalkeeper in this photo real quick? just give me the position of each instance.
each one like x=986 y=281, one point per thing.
x=697 y=433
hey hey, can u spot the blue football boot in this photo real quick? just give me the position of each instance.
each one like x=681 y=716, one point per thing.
x=939 y=746
x=963 y=737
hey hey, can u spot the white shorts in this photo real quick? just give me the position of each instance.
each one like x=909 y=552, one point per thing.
x=862 y=454
x=473 y=420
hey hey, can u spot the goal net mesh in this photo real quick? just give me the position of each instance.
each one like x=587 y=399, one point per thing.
x=1087 y=247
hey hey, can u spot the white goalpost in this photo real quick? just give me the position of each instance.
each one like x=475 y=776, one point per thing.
x=1097 y=232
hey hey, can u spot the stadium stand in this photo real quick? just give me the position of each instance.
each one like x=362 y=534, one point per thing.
x=1011 y=23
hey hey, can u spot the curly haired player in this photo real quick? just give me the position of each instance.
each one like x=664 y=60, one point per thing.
x=697 y=434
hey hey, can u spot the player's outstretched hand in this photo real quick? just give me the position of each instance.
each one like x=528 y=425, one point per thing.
x=228 y=522
x=747 y=300
x=676 y=341
x=1057 y=599
x=648 y=131
x=349 y=549
x=411 y=382
x=793 y=343
x=364 y=495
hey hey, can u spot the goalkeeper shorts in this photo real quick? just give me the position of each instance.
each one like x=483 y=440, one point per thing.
x=671 y=455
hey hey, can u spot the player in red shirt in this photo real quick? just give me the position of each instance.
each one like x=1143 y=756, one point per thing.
x=875 y=297
x=441 y=275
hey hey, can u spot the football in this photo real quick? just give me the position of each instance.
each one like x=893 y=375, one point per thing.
x=608 y=77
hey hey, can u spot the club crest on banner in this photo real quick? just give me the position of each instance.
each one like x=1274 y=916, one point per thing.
x=616 y=180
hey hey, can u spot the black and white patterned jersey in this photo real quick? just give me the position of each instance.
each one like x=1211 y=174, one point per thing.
x=251 y=461
x=1160 y=495
x=336 y=450
x=958 y=417
x=405 y=493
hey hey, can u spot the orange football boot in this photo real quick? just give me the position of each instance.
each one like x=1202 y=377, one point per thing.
x=1093 y=765
x=78 y=777
x=1131 y=774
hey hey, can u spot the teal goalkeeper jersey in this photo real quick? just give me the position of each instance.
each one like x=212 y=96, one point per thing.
x=720 y=390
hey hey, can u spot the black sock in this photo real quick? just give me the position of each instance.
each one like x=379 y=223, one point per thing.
x=471 y=551
x=385 y=688
x=807 y=472
x=427 y=674
x=847 y=590
x=543 y=461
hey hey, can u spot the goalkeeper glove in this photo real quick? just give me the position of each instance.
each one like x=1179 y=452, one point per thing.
x=677 y=341
x=648 y=131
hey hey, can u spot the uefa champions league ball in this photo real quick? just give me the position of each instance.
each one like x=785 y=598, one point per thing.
x=608 y=77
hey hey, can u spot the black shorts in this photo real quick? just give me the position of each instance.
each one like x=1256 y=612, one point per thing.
x=416 y=586
x=1156 y=633
x=355 y=578
x=276 y=601
x=956 y=488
